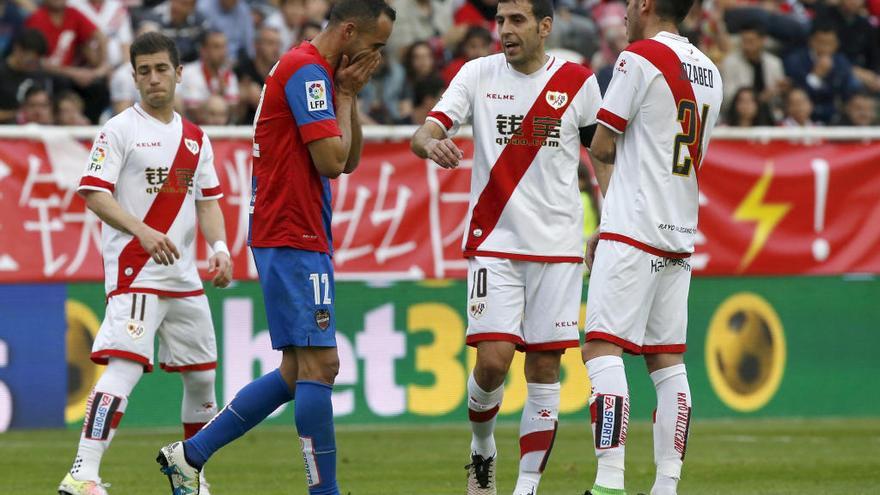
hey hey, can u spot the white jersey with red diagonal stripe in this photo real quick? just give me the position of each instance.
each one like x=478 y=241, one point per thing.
x=664 y=98
x=525 y=203
x=156 y=172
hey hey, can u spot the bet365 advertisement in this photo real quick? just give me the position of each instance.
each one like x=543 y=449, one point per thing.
x=802 y=346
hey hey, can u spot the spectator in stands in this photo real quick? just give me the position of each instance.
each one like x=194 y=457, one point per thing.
x=208 y=76
x=317 y=10
x=233 y=18
x=476 y=43
x=180 y=21
x=798 y=109
x=752 y=66
x=418 y=62
x=612 y=42
x=69 y=109
x=215 y=111
x=36 y=107
x=426 y=94
x=382 y=99
x=787 y=21
x=479 y=13
x=77 y=52
x=705 y=28
x=11 y=21
x=309 y=30
x=252 y=72
x=19 y=71
x=746 y=110
x=288 y=21
x=573 y=31
x=859 y=40
x=111 y=17
x=422 y=20
x=860 y=110
x=822 y=71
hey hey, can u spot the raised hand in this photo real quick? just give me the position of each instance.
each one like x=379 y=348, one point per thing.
x=352 y=76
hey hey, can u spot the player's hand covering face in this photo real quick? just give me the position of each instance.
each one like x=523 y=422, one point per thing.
x=351 y=77
x=220 y=264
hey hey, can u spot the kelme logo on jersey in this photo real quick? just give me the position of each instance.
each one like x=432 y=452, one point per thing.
x=316 y=95
x=556 y=99
x=192 y=146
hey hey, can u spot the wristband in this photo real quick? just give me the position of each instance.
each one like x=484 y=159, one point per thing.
x=220 y=247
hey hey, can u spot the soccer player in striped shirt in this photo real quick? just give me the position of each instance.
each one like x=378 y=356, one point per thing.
x=530 y=112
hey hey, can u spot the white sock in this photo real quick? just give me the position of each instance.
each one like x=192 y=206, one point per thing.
x=609 y=412
x=671 y=426
x=104 y=410
x=482 y=409
x=199 y=403
x=537 y=430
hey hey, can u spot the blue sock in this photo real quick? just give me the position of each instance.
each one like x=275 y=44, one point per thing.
x=250 y=406
x=314 y=423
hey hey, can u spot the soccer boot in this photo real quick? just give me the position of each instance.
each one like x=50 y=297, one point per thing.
x=203 y=484
x=481 y=476
x=71 y=486
x=184 y=479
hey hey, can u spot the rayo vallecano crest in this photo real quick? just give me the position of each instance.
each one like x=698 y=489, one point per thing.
x=557 y=99
x=192 y=146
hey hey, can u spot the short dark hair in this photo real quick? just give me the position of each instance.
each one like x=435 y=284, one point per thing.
x=756 y=27
x=822 y=25
x=31 y=40
x=362 y=12
x=203 y=37
x=540 y=8
x=154 y=42
x=34 y=89
x=674 y=10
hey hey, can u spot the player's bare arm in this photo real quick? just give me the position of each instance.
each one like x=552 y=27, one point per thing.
x=602 y=153
x=157 y=244
x=213 y=228
x=430 y=142
x=331 y=154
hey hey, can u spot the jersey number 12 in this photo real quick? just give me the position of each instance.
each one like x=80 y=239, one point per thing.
x=687 y=112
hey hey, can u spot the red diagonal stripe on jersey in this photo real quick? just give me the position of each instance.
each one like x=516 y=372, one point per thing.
x=515 y=160
x=536 y=441
x=164 y=209
x=667 y=62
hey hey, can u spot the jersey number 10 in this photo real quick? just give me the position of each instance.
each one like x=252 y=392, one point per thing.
x=687 y=112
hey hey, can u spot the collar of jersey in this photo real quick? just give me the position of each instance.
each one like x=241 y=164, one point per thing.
x=544 y=68
x=676 y=37
x=143 y=113
x=311 y=50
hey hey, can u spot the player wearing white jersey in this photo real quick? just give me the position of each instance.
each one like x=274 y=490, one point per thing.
x=523 y=237
x=151 y=179
x=659 y=110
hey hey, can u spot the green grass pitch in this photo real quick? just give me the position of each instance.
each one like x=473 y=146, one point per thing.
x=742 y=457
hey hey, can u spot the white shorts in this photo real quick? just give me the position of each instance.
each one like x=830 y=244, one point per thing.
x=184 y=326
x=638 y=300
x=534 y=305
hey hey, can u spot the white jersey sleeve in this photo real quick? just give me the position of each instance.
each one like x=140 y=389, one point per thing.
x=105 y=160
x=625 y=93
x=207 y=184
x=587 y=102
x=456 y=106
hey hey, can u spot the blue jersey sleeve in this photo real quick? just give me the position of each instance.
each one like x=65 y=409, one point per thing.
x=309 y=96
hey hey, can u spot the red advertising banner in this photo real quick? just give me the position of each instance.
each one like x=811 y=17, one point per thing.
x=774 y=208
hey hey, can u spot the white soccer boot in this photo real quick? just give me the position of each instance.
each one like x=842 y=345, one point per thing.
x=481 y=476
x=184 y=478
x=72 y=486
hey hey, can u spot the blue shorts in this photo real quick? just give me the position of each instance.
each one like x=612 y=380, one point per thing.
x=298 y=294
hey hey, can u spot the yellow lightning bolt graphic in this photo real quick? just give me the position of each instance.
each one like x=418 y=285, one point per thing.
x=766 y=215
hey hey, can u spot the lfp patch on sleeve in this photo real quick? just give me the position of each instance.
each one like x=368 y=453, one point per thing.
x=316 y=95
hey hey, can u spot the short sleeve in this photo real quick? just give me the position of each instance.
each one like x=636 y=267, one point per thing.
x=625 y=93
x=207 y=183
x=309 y=96
x=456 y=105
x=105 y=162
x=589 y=99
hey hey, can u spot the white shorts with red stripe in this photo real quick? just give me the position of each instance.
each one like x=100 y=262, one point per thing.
x=184 y=326
x=535 y=305
x=638 y=299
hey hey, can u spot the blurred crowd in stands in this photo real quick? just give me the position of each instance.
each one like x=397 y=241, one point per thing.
x=784 y=62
